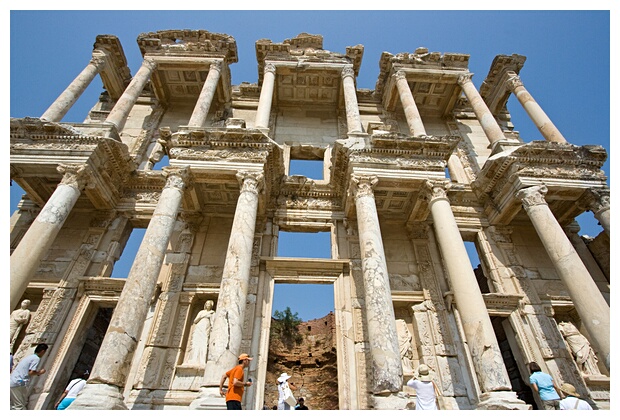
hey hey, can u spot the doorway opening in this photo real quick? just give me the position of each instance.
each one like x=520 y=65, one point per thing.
x=520 y=385
x=302 y=340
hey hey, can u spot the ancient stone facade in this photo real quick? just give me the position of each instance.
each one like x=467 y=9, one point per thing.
x=411 y=171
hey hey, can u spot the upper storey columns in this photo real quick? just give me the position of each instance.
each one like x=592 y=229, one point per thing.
x=490 y=126
x=414 y=121
x=587 y=298
x=354 y=124
x=71 y=94
x=537 y=115
x=199 y=115
x=120 y=112
x=266 y=96
x=26 y=258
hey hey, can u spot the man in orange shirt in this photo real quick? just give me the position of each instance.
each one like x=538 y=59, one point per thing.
x=236 y=386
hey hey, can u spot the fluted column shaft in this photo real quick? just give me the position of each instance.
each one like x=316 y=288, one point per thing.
x=587 y=298
x=27 y=256
x=120 y=112
x=227 y=330
x=354 y=123
x=387 y=372
x=535 y=112
x=481 y=339
x=71 y=94
x=266 y=96
x=414 y=121
x=199 y=115
x=483 y=114
x=109 y=373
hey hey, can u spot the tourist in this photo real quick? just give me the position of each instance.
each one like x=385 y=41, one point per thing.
x=572 y=400
x=543 y=384
x=71 y=392
x=236 y=385
x=425 y=389
x=301 y=404
x=20 y=377
x=285 y=392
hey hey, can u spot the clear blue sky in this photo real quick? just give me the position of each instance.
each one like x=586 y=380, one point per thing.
x=567 y=69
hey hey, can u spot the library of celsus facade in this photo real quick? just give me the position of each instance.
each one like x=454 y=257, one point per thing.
x=412 y=171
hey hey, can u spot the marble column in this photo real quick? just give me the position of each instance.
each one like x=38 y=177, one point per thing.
x=199 y=115
x=598 y=202
x=481 y=340
x=535 y=112
x=490 y=126
x=587 y=298
x=118 y=115
x=266 y=96
x=387 y=371
x=227 y=330
x=65 y=101
x=414 y=121
x=354 y=123
x=104 y=389
x=35 y=243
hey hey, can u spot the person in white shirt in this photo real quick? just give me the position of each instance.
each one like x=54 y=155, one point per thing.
x=572 y=400
x=71 y=392
x=20 y=377
x=425 y=390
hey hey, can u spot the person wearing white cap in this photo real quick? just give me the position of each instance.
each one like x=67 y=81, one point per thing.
x=572 y=400
x=425 y=390
x=285 y=393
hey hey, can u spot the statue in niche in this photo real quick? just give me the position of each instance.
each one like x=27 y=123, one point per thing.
x=19 y=318
x=199 y=339
x=580 y=349
x=404 y=344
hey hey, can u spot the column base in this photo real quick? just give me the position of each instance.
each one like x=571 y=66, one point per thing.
x=209 y=398
x=501 y=400
x=99 y=397
x=397 y=401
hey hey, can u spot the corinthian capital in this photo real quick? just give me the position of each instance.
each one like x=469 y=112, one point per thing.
x=216 y=66
x=399 y=75
x=464 y=78
x=347 y=71
x=177 y=177
x=270 y=68
x=98 y=60
x=76 y=176
x=532 y=196
x=363 y=185
x=150 y=63
x=437 y=189
x=251 y=181
x=514 y=82
x=596 y=200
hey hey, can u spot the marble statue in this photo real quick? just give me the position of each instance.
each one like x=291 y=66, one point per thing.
x=199 y=339
x=580 y=349
x=404 y=344
x=19 y=318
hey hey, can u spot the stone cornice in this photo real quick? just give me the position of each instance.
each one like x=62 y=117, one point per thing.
x=493 y=89
x=189 y=42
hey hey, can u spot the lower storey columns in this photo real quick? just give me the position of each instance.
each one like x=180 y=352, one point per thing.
x=227 y=330
x=104 y=388
x=27 y=255
x=486 y=356
x=386 y=370
x=587 y=298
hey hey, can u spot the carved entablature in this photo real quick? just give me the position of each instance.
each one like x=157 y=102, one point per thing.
x=304 y=48
x=115 y=74
x=502 y=304
x=567 y=170
x=189 y=42
x=494 y=90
